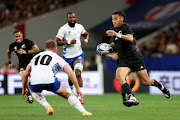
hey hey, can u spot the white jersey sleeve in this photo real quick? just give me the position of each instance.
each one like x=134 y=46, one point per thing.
x=61 y=63
x=61 y=33
x=82 y=29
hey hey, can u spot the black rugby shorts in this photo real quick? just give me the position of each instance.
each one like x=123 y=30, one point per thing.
x=135 y=62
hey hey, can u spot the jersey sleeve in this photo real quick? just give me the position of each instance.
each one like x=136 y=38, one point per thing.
x=11 y=47
x=62 y=63
x=61 y=33
x=30 y=43
x=82 y=30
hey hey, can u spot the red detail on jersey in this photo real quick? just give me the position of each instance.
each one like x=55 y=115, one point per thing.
x=61 y=37
x=64 y=66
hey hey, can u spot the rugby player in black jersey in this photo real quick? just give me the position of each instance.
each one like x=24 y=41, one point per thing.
x=24 y=49
x=130 y=58
x=114 y=56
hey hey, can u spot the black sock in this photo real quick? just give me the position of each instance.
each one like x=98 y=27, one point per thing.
x=126 y=88
x=70 y=83
x=157 y=84
x=123 y=96
x=28 y=93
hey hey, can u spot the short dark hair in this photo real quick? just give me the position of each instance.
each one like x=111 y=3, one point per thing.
x=120 y=13
x=50 y=44
x=16 y=31
x=70 y=13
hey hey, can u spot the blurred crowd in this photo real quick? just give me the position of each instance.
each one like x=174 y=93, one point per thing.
x=165 y=42
x=5 y=70
x=12 y=11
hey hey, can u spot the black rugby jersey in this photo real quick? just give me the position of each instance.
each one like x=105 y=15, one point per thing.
x=26 y=44
x=124 y=48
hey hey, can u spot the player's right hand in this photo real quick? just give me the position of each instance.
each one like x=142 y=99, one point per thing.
x=73 y=41
x=10 y=66
x=24 y=92
x=80 y=93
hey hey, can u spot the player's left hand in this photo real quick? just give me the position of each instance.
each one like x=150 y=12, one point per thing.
x=80 y=93
x=85 y=41
x=111 y=33
x=24 y=92
x=21 y=51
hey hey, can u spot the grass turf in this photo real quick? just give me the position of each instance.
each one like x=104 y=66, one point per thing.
x=103 y=107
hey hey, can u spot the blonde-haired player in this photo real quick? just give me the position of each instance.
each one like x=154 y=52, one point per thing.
x=42 y=69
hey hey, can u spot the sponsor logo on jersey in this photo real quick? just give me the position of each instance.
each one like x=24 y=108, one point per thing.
x=23 y=46
x=15 y=48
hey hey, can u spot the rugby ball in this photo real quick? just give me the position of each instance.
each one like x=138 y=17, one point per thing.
x=104 y=48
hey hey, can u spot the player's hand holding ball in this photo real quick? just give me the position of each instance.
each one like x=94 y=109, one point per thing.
x=104 y=48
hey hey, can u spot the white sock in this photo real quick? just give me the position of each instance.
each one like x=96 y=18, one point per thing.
x=79 y=96
x=41 y=99
x=75 y=102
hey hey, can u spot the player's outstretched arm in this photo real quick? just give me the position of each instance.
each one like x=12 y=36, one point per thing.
x=34 y=49
x=68 y=70
x=9 y=58
x=25 y=80
x=127 y=37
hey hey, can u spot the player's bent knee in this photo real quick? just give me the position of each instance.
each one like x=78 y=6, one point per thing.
x=78 y=66
x=67 y=95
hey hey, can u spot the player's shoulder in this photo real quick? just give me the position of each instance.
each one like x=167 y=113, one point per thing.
x=64 y=26
x=27 y=40
x=12 y=44
x=52 y=54
x=125 y=25
x=79 y=25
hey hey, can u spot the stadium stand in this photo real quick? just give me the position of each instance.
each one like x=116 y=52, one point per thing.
x=12 y=11
x=165 y=42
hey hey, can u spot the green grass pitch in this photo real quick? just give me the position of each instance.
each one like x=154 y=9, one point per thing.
x=104 y=107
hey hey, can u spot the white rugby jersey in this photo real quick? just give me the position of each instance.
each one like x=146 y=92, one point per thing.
x=44 y=66
x=68 y=33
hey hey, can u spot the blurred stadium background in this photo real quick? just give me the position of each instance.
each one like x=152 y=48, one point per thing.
x=156 y=26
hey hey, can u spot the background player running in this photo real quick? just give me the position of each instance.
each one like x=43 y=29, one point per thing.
x=69 y=36
x=24 y=49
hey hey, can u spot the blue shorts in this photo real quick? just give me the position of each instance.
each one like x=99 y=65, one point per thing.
x=53 y=87
x=70 y=61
